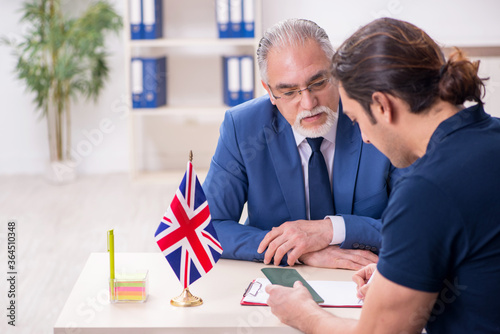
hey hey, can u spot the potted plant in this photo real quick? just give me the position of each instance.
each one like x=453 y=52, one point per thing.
x=60 y=59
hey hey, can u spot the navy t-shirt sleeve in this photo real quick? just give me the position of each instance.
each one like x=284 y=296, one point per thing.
x=422 y=236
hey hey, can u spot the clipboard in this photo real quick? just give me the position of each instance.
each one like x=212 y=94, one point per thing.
x=254 y=293
x=335 y=293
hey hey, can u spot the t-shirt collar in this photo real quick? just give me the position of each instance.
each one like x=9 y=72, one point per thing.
x=461 y=119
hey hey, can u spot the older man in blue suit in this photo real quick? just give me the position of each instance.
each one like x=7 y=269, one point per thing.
x=264 y=157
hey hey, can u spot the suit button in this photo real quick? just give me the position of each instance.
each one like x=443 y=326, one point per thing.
x=374 y=249
x=368 y=247
x=355 y=245
x=361 y=246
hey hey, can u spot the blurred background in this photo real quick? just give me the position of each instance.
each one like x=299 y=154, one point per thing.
x=473 y=26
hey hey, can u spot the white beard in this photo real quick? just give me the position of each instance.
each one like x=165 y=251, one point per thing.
x=319 y=131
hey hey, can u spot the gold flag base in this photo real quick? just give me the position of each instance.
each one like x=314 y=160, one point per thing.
x=186 y=299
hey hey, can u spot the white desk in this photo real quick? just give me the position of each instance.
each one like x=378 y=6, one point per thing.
x=88 y=310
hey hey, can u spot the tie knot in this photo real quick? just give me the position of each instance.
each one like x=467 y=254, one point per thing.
x=315 y=143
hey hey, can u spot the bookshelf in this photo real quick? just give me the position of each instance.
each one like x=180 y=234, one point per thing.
x=160 y=138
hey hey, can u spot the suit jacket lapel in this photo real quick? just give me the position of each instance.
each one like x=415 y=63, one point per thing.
x=346 y=163
x=287 y=165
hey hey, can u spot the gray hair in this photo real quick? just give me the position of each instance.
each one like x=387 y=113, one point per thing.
x=290 y=32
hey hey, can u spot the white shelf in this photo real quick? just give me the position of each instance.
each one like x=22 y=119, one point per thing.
x=199 y=114
x=192 y=42
x=181 y=110
x=159 y=137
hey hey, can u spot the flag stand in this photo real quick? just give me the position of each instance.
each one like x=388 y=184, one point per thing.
x=186 y=216
x=186 y=299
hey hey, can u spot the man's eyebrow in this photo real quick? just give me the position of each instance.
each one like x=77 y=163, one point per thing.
x=286 y=86
x=317 y=76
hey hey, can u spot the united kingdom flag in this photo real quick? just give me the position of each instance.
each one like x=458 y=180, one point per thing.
x=186 y=235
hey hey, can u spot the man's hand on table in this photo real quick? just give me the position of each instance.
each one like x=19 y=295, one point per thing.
x=337 y=258
x=296 y=238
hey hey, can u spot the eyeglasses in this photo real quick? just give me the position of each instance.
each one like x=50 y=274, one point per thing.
x=293 y=94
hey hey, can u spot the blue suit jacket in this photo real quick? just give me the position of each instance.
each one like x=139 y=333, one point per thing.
x=257 y=162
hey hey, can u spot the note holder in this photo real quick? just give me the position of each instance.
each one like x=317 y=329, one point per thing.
x=129 y=287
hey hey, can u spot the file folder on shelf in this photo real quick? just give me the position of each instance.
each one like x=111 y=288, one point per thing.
x=231 y=88
x=236 y=18
x=149 y=82
x=136 y=25
x=222 y=15
x=155 y=81
x=137 y=85
x=248 y=19
x=152 y=12
x=247 y=82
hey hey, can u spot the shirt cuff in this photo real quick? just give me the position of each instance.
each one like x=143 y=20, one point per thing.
x=338 y=225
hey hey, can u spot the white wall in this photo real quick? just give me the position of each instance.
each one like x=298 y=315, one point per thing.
x=23 y=138
x=451 y=22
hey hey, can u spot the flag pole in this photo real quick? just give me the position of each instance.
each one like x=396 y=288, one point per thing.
x=186 y=298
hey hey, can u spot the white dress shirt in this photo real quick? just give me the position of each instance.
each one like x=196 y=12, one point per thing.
x=328 y=151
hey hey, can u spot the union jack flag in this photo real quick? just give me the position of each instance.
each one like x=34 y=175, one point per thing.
x=186 y=235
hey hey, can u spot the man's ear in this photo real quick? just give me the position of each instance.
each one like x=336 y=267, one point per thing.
x=266 y=87
x=382 y=107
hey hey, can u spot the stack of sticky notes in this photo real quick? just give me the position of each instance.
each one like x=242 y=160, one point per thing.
x=129 y=287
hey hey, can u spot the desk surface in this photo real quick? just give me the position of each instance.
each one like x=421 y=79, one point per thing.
x=88 y=309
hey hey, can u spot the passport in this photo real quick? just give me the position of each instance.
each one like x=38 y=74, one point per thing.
x=286 y=277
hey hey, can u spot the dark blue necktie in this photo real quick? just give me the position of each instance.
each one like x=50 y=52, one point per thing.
x=320 y=191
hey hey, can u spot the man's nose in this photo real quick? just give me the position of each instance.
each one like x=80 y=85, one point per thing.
x=308 y=100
